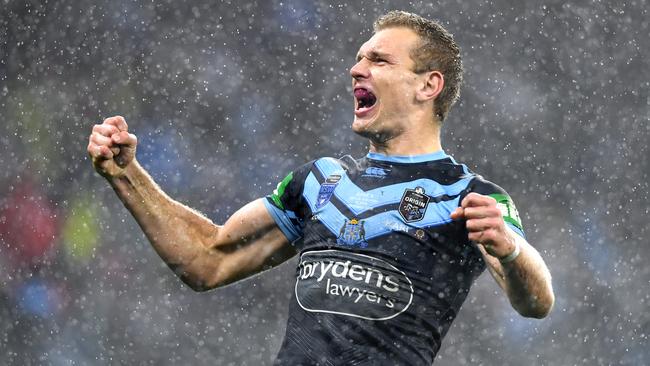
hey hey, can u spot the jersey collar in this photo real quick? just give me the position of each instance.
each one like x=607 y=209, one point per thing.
x=408 y=158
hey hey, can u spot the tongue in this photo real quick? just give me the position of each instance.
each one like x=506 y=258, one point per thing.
x=362 y=94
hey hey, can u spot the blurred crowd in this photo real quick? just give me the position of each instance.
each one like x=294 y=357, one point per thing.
x=226 y=97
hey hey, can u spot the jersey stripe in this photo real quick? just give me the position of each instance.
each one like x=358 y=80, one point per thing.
x=359 y=201
x=378 y=224
x=283 y=221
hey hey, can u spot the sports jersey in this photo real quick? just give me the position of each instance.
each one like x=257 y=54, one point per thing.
x=383 y=270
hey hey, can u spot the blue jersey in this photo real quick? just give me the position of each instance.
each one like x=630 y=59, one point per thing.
x=383 y=270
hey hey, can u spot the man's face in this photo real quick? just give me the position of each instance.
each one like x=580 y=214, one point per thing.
x=384 y=84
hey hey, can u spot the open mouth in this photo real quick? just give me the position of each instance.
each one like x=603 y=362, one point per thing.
x=365 y=99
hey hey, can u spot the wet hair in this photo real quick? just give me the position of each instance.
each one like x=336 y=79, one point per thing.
x=437 y=51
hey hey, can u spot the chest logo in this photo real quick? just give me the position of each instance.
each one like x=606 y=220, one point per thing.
x=413 y=204
x=352 y=234
x=327 y=190
x=352 y=284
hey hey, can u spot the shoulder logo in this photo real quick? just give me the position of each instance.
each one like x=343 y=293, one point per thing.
x=413 y=204
x=352 y=233
x=279 y=191
x=327 y=189
x=508 y=209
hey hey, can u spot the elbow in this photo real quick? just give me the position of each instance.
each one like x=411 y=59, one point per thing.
x=537 y=308
x=198 y=285
x=197 y=280
x=203 y=272
x=537 y=313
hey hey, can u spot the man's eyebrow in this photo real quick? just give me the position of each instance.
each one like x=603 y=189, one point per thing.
x=373 y=55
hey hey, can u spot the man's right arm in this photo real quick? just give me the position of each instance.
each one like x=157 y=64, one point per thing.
x=202 y=254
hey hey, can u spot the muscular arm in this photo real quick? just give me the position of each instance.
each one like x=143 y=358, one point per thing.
x=525 y=280
x=202 y=254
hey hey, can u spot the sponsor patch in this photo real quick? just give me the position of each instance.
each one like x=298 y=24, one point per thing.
x=413 y=205
x=508 y=209
x=351 y=284
x=352 y=234
x=326 y=190
x=376 y=172
x=278 y=192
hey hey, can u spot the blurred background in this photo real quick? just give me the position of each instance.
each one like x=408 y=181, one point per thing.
x=226 y=97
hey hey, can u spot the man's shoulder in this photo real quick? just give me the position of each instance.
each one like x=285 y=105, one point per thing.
x=445 y=171
x=479 y=184
x=476 y=181
x=332 y=165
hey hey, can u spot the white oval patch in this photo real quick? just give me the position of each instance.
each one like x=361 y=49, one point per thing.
x=346 y=283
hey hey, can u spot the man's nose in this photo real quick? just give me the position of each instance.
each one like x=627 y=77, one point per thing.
x=360 y=69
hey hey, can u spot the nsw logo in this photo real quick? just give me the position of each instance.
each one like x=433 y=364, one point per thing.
x=413 y=205
x=327 y=190
x=352 y=233
x=352 y=284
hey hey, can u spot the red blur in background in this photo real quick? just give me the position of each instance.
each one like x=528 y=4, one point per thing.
x=28 y=225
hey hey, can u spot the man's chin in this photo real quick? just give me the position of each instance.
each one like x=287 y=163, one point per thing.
x=366 y=127
x=361 y=126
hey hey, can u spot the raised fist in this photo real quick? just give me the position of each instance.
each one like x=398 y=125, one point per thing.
x=485 y=225
x=111 y=147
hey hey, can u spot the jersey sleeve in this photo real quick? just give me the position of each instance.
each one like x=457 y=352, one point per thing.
x=286 y=203
x=504 y=202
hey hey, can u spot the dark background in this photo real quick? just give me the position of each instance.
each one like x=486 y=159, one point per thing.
x=226 y=97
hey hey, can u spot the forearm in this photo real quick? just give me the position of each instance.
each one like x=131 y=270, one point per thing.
x=178 y=233
x=201 y=253
x=524 y=276
x=527 y=282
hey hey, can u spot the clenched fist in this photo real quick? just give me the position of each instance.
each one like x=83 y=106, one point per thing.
x=485 y=224
x=111 y=147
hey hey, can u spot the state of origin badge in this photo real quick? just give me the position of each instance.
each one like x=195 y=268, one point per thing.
x=413 y=204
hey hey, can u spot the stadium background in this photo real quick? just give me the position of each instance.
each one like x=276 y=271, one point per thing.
x=226 y=97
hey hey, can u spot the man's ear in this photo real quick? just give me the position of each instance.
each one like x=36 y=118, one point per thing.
x=432 y=87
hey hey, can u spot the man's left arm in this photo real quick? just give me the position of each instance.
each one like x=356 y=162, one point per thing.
x=515 y=265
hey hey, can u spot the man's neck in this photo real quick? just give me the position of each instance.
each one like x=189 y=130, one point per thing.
x=410 y=142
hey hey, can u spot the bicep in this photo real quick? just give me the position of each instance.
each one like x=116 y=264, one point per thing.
x=249 y=242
